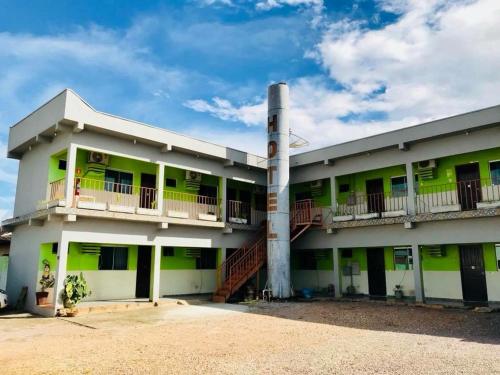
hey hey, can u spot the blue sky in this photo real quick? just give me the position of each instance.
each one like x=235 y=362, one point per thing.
x=201 y=67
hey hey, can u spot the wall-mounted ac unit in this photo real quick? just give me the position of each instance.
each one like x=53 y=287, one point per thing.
x=426 y=169
x=98 y=158
x=425 y=164
x=436 y=251
x=193 y=176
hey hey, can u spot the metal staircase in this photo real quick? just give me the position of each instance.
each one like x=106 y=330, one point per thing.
x=238 y=268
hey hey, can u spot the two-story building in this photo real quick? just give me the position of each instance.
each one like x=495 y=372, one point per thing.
x=145 y=212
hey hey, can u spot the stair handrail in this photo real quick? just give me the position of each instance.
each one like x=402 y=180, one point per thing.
x=247 y=262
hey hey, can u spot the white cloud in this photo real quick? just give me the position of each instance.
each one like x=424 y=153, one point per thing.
x=438 y=59
x=270 y=4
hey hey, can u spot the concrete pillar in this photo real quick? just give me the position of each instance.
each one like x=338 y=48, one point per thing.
x=70 y=174
x=278 y=206
x=333 y=193
x=154 y=291
x=418 y=274
x=223 y=199
x=160 y=183
x=410 y=183
x=337 y=280
x=62 y=261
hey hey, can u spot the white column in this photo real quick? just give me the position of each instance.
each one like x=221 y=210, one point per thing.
x=154 y=291
x=70 y=174
x=62 y=261
x=417 y=274
x=160 y=183
x=336 y=273
x=223 y=202
x=410 y=183
x=333 y=192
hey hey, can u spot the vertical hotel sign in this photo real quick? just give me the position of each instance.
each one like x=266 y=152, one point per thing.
x=278 y=206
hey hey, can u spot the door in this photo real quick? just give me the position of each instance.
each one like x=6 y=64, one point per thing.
x=375 y=195
x=469 y=185
x=148 y=191
x=143 y=272
x=472 y=273
x=376 y=272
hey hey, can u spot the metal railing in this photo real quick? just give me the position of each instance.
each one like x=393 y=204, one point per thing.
x=190 y=205
x=56 y=190
x=305 y=212
x=457 y=196
x=361 y=203
x=238 y=211
x=100 y=191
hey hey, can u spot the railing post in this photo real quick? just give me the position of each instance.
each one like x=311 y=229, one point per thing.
x=410 y=187
x=70 y=174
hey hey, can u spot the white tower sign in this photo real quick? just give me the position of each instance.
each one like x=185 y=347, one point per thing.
x=278 y=205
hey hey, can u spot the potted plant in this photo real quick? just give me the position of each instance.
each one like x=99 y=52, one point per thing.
x=46 y=282
x=398 y=291
x=75 y=289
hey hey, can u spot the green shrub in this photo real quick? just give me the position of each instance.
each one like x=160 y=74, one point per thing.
x=75 y=289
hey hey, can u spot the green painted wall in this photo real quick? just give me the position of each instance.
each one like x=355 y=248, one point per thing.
x=136 y=167
x=451 y=260
x=180 y=176
x=358 y=256
x=445 y=172
x=54 y=172
x=357 y=181
x=324 y=200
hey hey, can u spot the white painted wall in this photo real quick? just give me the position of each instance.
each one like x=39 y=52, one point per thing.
x=109 y=285
x=493 y=285
x=404 y=278
x=311 y=279
x=360 y=282
x=442 y=284
x=175 y=282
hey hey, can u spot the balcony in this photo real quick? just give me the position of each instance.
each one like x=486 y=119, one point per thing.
x=362 y=206
x=458 y=196
x=191 y=206
x=242 y=213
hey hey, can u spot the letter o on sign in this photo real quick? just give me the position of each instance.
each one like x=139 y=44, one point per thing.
x=272 y=149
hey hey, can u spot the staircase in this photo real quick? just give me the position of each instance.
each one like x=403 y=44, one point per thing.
x=237 y=269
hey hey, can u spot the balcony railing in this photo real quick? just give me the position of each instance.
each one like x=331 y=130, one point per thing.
x=56 y=190
x=242 y=213
x=191 y=206
x=458 y=196
x=361 y=205
x=100 y=194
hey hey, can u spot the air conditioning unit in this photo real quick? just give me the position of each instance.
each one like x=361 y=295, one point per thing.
x=318 y=184
x=193 y=176
x=426 y=164
x=98 y=158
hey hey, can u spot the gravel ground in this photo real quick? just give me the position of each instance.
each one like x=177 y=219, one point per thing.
x=315 y=337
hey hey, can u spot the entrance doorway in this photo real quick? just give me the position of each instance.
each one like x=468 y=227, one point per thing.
x=375 y=195
x=469 y=185
x=376 y=272
x=148 y=194
x=472 y=273
x=142 y=282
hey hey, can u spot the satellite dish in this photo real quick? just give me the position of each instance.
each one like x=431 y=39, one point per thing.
x=296 y=141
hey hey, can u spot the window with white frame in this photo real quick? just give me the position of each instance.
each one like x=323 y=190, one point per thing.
x=399 y=186
x=403 y=259
x=495 y=172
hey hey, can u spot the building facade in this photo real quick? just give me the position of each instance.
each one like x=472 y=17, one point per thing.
x=144 y=212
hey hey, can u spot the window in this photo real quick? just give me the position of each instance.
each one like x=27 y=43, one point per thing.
x=495 y=172
x=403 y=259
x=347 y=253
x=260 y=202
x=168 y=251
x=118 y=182
x=497 y=250
x=344 y=188
x=55 y=247
x=207 y=259
x=113 y=258
x=307 y=260
x=171 y=182
x=398 y=186
x=62 y=165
